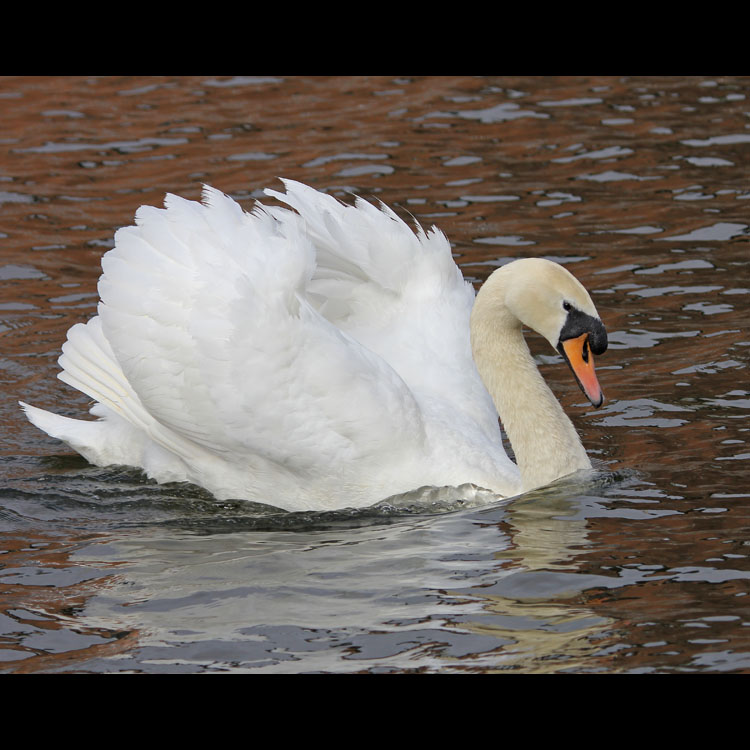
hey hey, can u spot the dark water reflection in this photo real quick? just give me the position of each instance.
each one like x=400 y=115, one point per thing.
x=639 y=185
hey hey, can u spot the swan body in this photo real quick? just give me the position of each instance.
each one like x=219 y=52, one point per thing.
x=320 y=356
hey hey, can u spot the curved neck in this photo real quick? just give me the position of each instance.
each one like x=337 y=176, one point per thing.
x=545 y=443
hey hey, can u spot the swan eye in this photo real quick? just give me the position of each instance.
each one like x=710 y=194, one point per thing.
x=567 y=306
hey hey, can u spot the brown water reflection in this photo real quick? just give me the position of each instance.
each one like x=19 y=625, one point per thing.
x=42 y=592
x=639 y=185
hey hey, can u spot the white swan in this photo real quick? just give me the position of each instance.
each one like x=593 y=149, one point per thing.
x=321 y=357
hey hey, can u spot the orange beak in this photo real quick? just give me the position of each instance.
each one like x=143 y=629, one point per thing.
x=581 y=360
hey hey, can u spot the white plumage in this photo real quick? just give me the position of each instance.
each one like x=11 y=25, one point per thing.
x=314 y=358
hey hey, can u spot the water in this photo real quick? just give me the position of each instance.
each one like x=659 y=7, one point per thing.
x=639 y=185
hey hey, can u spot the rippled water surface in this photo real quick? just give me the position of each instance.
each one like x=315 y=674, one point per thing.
x=640 y=186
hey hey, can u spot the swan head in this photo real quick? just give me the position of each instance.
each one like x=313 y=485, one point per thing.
x=547 y=298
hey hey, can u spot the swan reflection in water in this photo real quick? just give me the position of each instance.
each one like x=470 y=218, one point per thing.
x=323 y=354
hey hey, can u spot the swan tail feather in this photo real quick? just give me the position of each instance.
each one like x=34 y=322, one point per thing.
x=124 y=428
x=101 y=442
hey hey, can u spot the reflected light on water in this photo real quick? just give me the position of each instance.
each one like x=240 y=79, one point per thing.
x=637 y=184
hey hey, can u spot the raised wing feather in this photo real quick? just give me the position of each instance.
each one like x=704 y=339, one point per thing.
x=399 y=293
x=208 y=312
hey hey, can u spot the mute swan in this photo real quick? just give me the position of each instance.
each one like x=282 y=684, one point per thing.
x=321 y=357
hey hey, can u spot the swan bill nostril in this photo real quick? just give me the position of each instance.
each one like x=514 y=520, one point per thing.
x=577 y=354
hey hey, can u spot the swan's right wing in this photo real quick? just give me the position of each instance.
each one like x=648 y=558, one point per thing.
x=205 y=309
x=398 y=291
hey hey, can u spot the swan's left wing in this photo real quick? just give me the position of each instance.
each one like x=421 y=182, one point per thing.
x=205 y=308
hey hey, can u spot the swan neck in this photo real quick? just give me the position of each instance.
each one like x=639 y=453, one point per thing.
x=544 y=440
